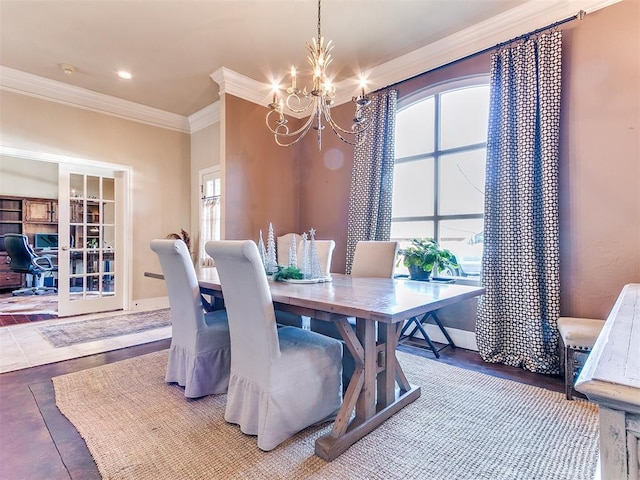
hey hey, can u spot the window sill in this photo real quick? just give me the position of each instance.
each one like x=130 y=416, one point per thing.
x=470 y=281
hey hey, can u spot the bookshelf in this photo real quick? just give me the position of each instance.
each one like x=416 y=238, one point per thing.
x=27 y=216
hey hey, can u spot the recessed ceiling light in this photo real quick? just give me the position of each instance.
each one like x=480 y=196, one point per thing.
x=125 y=75
x=67 y=69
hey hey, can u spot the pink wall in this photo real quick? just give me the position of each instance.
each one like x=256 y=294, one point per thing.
x=600 y=162
x=159 y=159
x=325 y=180
x=261 y=177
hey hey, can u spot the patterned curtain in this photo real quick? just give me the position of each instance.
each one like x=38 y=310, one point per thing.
x=372 y=176
x=520 y=265
x=210 y=228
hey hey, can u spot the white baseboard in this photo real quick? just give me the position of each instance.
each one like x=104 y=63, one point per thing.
x=150 y=303
x=461 y=338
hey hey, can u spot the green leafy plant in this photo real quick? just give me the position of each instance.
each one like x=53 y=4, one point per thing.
x=287 y=273
x=425 y=254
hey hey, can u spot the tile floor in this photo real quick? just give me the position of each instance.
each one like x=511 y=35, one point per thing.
x=22 y=346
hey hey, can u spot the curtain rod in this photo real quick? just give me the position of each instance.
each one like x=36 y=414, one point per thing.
x=578 y=16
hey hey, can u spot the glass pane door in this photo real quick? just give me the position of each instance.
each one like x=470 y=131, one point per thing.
x=92 y=239
x=91 y=276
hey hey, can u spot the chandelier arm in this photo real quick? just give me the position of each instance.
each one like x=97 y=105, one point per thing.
x=359 y=135
x=306 y=127
x=299 y=110
x=335 y=127
x=302 y=130
x=358 y=140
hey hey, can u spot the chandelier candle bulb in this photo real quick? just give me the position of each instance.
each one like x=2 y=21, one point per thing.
x=293 y=77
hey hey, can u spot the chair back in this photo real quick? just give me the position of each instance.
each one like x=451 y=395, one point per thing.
x=283 y=245
x=247 y=298
x=325 y=252
x=187 y=315
x=20 y=253
x=374 y=259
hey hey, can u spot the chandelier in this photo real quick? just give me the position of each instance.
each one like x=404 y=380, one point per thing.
x=317 y=102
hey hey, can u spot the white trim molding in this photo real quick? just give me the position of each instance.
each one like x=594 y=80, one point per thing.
x=529 y=16
x=242 y=86
x=8 y=151
x=27 y=84
x=461 y=338
x=149 y=304
x=204 y=117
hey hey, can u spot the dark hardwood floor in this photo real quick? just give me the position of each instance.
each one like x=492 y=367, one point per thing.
x=37 y=441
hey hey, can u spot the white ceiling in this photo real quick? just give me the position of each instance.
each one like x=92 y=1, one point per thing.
x=172 y=46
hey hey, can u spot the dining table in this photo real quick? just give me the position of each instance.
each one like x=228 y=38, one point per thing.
x=378 y=388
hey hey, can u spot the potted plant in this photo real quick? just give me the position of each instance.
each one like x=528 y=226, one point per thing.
x=425 y=255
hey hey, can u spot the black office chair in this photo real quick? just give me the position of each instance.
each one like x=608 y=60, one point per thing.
x=24 y=260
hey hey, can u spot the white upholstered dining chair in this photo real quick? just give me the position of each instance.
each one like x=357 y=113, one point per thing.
x=282 y=379
x=283 y=244
x=325 y=254
x=199 y=356
x=578 y=337
x=374 y=259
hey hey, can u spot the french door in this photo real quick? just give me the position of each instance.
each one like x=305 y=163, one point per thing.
x=91 y=267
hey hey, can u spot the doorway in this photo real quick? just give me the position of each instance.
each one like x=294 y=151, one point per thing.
x=92 y=269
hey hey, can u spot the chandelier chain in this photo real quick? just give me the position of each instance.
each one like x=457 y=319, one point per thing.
x=319 y=33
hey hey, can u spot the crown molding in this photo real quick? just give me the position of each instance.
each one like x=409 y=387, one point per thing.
x=40 y=156
x=204 y=117
x=241 y=86
x=28 y=84
x=527 y=17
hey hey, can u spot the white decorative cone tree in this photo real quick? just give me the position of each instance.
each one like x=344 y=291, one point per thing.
x=305 y=267
x=271 y=264
x=293 y=255
x=314 y=261
x=263 y=253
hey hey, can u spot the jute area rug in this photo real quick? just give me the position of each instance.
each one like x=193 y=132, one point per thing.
x=466 y=425
x=66 y=334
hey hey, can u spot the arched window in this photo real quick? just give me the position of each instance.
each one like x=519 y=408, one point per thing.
x=439 y=173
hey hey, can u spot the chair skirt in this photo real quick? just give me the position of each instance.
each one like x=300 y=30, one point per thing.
x=202 y=369
x=304 y=389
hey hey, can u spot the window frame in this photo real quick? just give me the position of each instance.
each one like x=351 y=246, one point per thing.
x=207 y=174
x=422 y=94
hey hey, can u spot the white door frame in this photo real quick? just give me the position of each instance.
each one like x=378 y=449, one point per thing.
x=126 y=172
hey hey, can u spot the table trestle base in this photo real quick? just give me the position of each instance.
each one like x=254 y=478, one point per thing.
x=329 y=447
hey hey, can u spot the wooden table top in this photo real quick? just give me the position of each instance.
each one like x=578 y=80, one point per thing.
x=382 y=299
